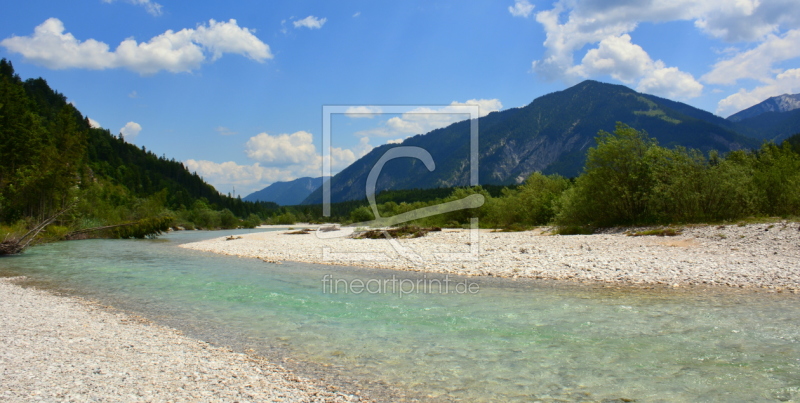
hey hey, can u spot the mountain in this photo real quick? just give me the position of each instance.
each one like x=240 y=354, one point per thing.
x=780 y=103
x=772 y=126
x=286 y=193
x=551 y=135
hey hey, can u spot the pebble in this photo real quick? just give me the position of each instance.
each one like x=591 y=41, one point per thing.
x=57 y=349
x=699 y=255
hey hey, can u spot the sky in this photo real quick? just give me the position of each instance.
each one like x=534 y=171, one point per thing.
x=235 y=90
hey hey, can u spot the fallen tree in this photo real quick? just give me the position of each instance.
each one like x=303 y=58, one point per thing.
x=13 y=246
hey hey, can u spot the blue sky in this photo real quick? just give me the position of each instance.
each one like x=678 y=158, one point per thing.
x=235 y=89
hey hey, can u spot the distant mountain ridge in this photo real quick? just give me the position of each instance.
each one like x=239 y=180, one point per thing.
x=289 y=193
x=780 y=103
x=551 y=135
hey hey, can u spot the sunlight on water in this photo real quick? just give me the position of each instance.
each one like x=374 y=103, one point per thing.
x=511 y=341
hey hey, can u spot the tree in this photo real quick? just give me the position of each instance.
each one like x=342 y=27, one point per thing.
x=616 y=184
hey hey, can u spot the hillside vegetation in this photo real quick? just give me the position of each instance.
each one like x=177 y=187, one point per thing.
x=52 y=160
x=629 y=179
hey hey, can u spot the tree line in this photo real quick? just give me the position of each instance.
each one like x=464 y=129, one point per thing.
x=630 y=180
x=52 y=159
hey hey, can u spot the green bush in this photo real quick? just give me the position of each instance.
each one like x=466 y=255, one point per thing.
x=531 y=205
x=252 y=221
x=616 y=186
x=227 y=220
x=363 y=214
x=776 y=175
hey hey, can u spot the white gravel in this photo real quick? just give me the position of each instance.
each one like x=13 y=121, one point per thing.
x=756 y=255
x=63 y=349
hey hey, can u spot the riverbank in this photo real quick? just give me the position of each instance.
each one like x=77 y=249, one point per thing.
x=762 y=255
x=56 y=348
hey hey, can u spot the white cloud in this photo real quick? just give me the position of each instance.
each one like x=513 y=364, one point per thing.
x=361 y=149
x=571 y=25
x=181 y=51
x=130 y=131
x=422 y=120
x=228 y=37
x=396 y=141
x=51 y=47
x=295 y=148
x=669 y=82
x=224 y=131
x=245 y=178
x=357 y=112
x=152 y=7
x=310 y=22
x=521 y=8
x=358 y=13
x=133 y=95
x=94 y=124
x=298 y=152
x=627 y=62
x=758 y=62
x=617 y=57
x=746 y=20
x=787 y=82
x=289 y=156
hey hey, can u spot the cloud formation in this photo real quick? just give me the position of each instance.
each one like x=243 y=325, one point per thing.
x=298 y=152
x=176 y=52
x=572 y=25
x=521 y=8
x=310 y=22
x=284 y=157
x=423 y=119
x=152 y=7
x=756 y=63
x=224 y=131
x=245 y=178
x=787 y=82
x=94 y=124
x=130 y=131
x=358 y=112
x=283 y=149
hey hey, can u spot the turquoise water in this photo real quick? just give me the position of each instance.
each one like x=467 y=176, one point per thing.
x=509 y=341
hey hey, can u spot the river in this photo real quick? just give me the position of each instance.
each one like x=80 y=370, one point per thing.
x=484 y=339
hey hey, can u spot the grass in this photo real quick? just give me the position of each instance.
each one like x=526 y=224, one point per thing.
x=406 y=231
x=11 y=231
x=573 y=230
x=657 y=232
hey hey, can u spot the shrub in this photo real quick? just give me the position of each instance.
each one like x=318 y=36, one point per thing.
x=362 y=214
x=616 y=185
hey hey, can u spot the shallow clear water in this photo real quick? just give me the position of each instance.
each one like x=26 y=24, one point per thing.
x=510 y=341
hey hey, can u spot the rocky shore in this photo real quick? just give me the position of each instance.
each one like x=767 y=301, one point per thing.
x=765 y=255
x=63 y=349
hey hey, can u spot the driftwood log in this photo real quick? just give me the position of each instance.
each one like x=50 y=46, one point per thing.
x=13 y=246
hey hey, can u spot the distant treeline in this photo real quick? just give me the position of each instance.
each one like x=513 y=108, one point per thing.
x=50 y=158
x=628 y=180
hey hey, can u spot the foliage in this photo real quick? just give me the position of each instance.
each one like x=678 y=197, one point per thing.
x=364 y=213
x=405 y=231
x=616 y=185
x=50 y=158
x=630 y=180
x=573 y=230
x=531 y=204
x=657 y=232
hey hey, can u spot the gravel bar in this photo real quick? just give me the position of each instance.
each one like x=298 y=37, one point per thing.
x=765 y=255
x=62 y=349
